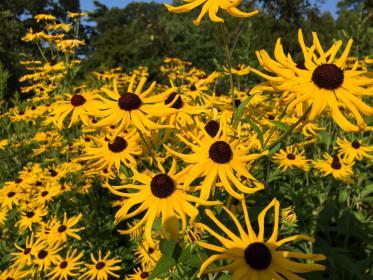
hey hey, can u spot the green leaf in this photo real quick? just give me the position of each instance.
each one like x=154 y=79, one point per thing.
x=239 y=111
x=163 y=266
x=274 y=149
x=280 y=125
x=170 y=248
x=257 y=130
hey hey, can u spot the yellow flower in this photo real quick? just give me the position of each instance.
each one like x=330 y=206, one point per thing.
x=44 y=17
x=218 y=157
x=354 y=150
x=289 y=217
x=61 y=231
x=159 y=195
x=252 y=255
x=46 y=256
x=291 y=158
x=67 y=267
x=212 y=7
x=76 y=15
x=106 y=153
x=148 y=255
x=30 y=217
x=140 y=273
x=321 y=82
x=134 y=107
x=15 y=273
x=101 y=267
x=339 y=168
x=3 y=215
x=69 y=46
x=23 y=257
x=3 y=144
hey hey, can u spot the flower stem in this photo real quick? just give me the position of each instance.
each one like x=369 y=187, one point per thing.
x=291 y=128
x=229 y=62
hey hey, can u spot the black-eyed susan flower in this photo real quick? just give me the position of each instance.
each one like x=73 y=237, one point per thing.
x=212 y=7
x=289 y=158
x=134 y=107
x=59 y=232
x=80 y=105
x=338 y=167
x=46 y=256
x=23 y=257
x=107 y=151
x=15 y=273
x=159 y=195
x=253 y=255
x=67 y=267
x=289 y=217
x=355 y=150
x=148 y=255
x=322 y=82
x=219 y=157
x=139 y=273
x=30 y=217
x=101 y=268
x=3 y=215
x=3 y=143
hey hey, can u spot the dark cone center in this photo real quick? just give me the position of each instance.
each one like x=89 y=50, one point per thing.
x=77 y=100
x=328 y=76
x=193 y=88
x=220 y=152
x=27 y=251
x=42 y=254
x=129 y=101
x=177 y=104
x=336 y=164
x=355 y=144
x=17 y=181
x=53 y=172
x=44 y=193
x=258 y=256
x=61 y=228
x=212 y=128
x=100 y=265
x=118 y=145
x=30 y=214
x=11 y=194
x=162 y=186
x=63 y=264
x=291 y=156
x=144 y=275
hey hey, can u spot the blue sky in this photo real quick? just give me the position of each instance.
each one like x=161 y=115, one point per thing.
x=87 y=5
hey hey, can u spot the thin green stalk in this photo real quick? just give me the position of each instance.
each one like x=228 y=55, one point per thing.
x=229 y=62
x=291 y=128
x=41 y=52
x=146 y=145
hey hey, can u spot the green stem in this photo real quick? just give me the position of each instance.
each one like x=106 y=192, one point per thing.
x=229 y=62
x=41 y=52
x=147 y=146
x=291 y=128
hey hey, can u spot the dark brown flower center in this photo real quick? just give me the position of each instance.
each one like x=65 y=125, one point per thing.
x=129 y=101
x=118 y=145
x=151 y=250
x=258 y=256
x=100 y=265
x=44 y=193
x=27 y=251
x=53 y=172
x=212 y=128
x=336 y=164
x=144 y=275
x=61 y=228
x=162 y=186
x=77 y=100
x=193 y=88
x=328 y=76
x=17 y=181
x=42 y=254
x=63 y=264
x=30 y=214
x=177 y=104
x=271 y=117
x=38 y=183
x=355 y=144
x=11 y=194
x=290 y=156
x=220 y=152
